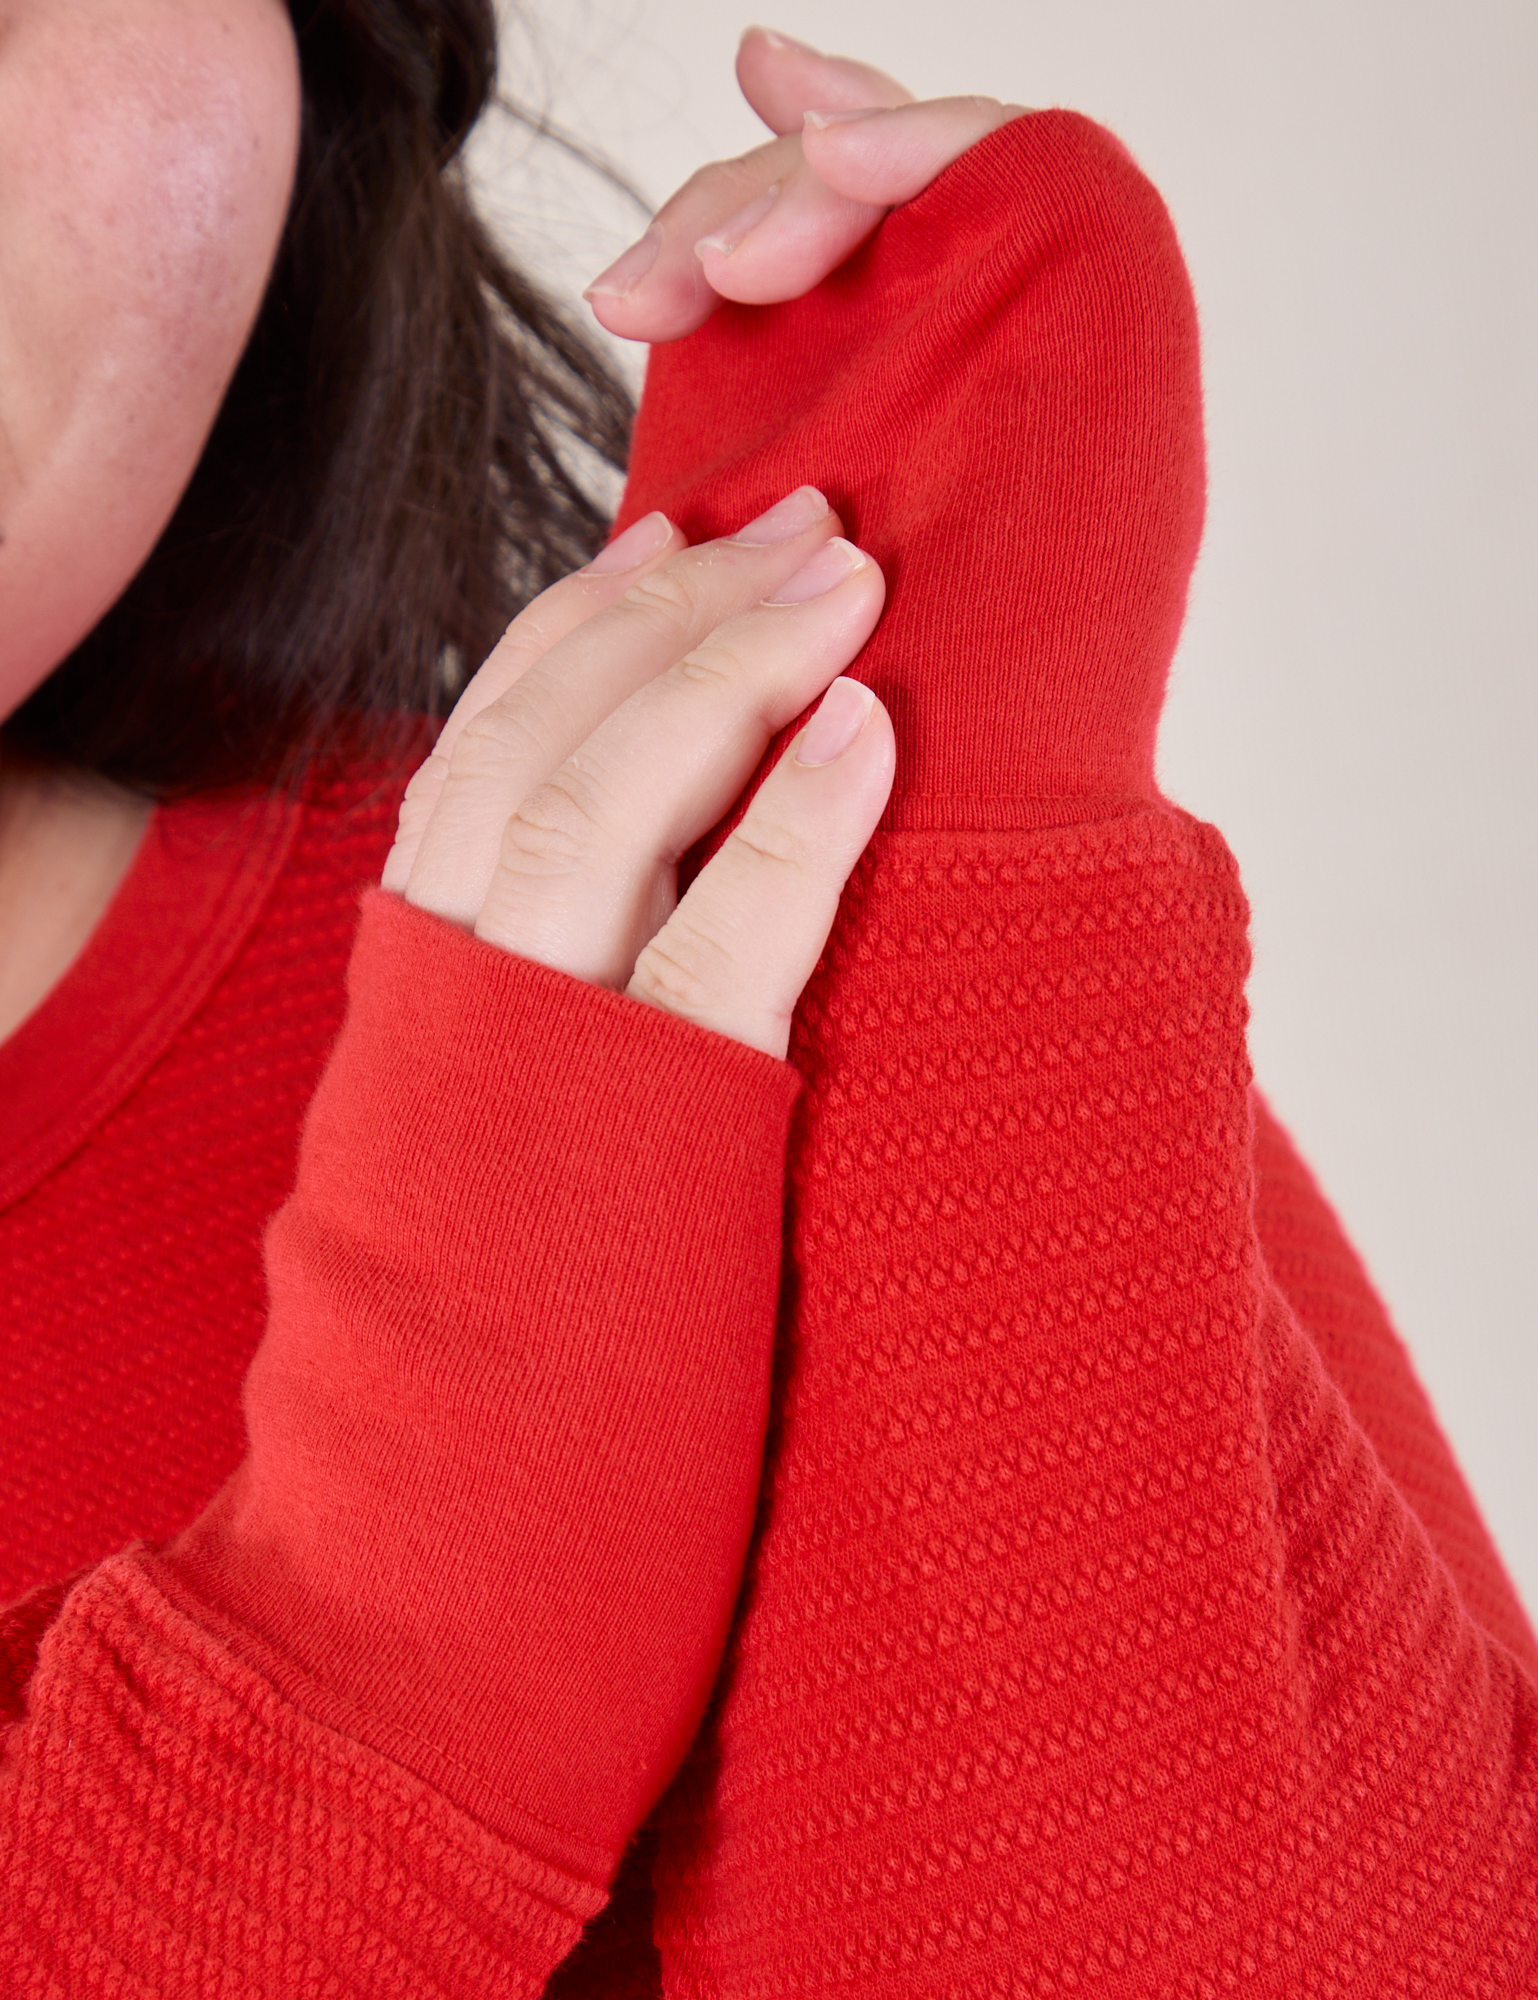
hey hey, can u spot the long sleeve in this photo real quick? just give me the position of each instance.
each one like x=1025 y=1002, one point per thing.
x=1088 y=1642
x=1323 y=1280
x=383 y=1718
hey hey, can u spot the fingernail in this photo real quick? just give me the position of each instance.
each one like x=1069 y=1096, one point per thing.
x=833 y=563
x=641 y=539
x=841 y=715
x=787 y=517
x=628 y=269
x=731 y=232
x=820 y=120
x=778 y=41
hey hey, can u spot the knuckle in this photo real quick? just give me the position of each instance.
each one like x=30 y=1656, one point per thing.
x=553 y=832
x=666 y=601
x=683 y=970
x=503 y=738
x=733 y=178
x=771 y=841
x=411 y=821
x=704 y=181
x=714 y=663
x=537 y=626
x=423 y=786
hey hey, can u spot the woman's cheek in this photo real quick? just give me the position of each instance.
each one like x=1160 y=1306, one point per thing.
x=147 y=151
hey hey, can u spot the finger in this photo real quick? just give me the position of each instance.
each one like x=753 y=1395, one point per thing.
x=736 y=953
x=784 y=244
x=774 y=223
x=586 y=873
x=516 y=742
x=790 y=239
x=887 y=157
x=657 y=289
x=782 y=79
x=553 y=614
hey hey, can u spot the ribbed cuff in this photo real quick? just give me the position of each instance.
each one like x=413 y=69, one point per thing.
x=507 y=1420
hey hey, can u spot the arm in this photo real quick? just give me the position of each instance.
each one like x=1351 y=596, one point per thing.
x=1142 y=1662
x=1086 y=1635
x=1334 y=1301
x=440 y=1640
x=405 y=1646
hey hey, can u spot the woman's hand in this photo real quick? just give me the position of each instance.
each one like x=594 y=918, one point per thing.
x=770 y=225
x=618 y=719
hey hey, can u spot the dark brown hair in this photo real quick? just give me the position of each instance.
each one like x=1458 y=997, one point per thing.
x=393 y=471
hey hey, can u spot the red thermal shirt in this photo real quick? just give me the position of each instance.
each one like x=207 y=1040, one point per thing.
x=1115 y=1615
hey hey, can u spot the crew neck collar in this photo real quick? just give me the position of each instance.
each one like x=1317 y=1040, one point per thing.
x=187 y=903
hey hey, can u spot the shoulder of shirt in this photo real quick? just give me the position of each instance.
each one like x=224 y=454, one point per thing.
x=364 y=773
x=347 y=803
x=308 y=848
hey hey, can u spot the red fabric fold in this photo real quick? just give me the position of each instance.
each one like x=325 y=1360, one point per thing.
x=170 y=1827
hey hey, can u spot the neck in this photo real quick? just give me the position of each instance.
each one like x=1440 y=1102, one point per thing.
x=67 y=839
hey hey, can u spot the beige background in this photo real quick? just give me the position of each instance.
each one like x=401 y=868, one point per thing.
x=1356 y=185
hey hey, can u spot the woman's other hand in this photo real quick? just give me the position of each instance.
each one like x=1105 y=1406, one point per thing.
x=616 y=722
x=772 y=224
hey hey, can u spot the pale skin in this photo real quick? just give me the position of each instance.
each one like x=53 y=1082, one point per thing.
x=147 y=153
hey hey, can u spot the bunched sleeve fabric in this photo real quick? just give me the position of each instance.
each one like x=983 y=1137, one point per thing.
x=382 y=1720
x=1088 y=1646
x=1088 y=1642
x=171 y=1826
x=1323 y=1280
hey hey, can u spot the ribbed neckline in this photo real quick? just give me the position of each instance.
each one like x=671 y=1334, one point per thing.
x=197 y=884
